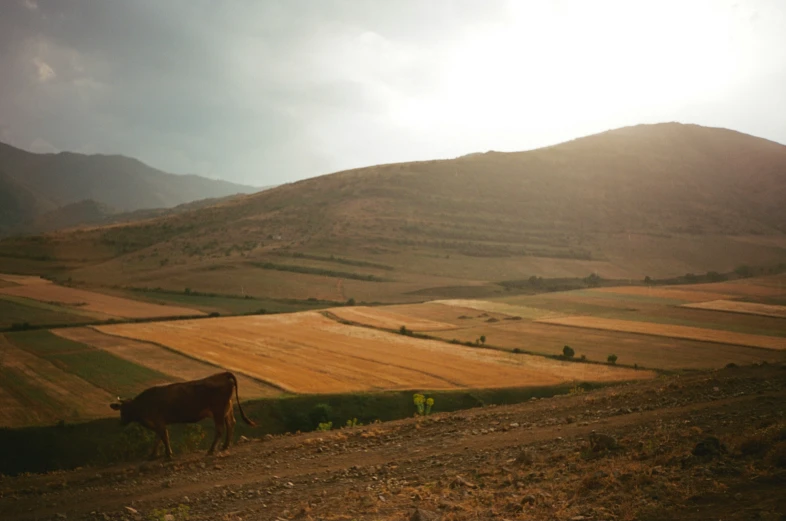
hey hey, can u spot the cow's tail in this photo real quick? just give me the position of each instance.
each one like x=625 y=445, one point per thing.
x=237 y=396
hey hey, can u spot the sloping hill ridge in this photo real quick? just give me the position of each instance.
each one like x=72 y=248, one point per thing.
x=46 y=182
x=659 y=200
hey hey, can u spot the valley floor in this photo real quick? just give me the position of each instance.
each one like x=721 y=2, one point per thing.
x=526 y=461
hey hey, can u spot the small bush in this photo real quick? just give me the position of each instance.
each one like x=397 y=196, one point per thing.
x=612 y=359
x=516 y=350
x=325 y=426
x=568 y=352
x=583 y=357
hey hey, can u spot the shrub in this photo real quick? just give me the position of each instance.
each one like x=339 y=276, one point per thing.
x=324 y=426
x=214 y=314
x=351 y=302
x=482 y=339
x=423 y=404
x=321 y=413
x=517 y=350
x=612 y=359
x=568 y=352
x=353 y=423
x=404 y=331
x=583 y=357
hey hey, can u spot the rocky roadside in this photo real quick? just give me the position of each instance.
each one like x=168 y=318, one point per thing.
x=702 y=446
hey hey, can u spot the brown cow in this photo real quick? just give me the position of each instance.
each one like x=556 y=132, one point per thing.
x=184 y=402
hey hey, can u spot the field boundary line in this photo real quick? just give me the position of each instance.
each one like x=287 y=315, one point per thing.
x=187 y=355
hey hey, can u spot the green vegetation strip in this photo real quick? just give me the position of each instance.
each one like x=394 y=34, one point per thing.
x=54 y=308
x=334 y=259
x=102 y=369
x=104 y=442
x=317 y=271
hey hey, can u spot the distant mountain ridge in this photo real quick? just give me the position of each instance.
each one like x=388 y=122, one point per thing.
x=32 y=185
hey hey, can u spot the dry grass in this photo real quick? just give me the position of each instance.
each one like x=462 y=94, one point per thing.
x=748 y=308
x=757 y=287
x=24 y=280
x=159 y=359
x=95 y=302
x=34 y=391
x=502 y=308
x=673 y=331
x=309 y=353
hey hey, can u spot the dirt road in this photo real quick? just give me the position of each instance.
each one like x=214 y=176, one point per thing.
x=527 y=461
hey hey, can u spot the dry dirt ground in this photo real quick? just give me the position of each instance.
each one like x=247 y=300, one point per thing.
x=526 y=461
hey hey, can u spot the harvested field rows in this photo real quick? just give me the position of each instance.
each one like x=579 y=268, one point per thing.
x=669 y=330
x=95 y=302
x=749 y=308
x=35 y=391
x=386 y=318
x=24 y=280
x=159 y=359
x=309 y=353
x=646 y=351
x=740 y=288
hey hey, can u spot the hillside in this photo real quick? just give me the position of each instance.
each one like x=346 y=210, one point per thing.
x=33 y=184
x=691 y=447
x=652 y=200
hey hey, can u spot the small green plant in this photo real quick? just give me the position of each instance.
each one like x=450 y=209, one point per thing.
x=325 y=426
x=423 y=404
x=351 y=302
x=404 y=331
x=576 y=390
x=568 y=352
x=353 y=423
x=482 y=339
x=583 y=357
x=165 y=514
x=612 y=359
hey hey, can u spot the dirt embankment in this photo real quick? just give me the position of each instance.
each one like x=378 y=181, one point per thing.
x=704 y=446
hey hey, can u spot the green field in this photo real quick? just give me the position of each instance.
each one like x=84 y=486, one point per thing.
x=102 y=369
x=226 y=305
x=18 y=310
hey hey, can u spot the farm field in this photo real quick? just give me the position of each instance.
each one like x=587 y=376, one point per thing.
x=159 y=359
x=646 y=351
x=35 y=391
x=751 y=308
x=18 y=310
x=100 y=368
x=671 y=331
x=389 y=318
x=89 y=301
x=310 y=353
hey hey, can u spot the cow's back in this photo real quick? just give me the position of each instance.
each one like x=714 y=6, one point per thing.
x=186 y=402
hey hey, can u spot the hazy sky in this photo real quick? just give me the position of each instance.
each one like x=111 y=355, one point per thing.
x=264 y=92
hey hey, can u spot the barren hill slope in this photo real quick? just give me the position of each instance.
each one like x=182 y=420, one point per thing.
x=657 y=200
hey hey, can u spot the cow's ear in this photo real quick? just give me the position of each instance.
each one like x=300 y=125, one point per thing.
x=115 y=406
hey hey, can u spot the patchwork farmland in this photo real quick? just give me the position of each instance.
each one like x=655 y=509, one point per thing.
x=70 y=373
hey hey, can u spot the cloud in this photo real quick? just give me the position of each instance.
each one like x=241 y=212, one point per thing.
x=268 y=92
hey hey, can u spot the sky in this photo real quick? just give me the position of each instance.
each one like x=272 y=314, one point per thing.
x=268 y=92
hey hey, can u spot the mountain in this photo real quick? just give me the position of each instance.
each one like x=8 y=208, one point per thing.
x=33 y=184
x=651 y=200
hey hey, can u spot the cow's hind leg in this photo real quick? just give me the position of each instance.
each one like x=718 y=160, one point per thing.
x=229 y=421
x=163 y=434
x=219 y=420
x=156 y=444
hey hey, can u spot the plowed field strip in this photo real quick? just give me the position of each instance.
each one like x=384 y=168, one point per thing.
x=160 y=359
x=308 y=353
x=673 y=331
x=46 y=391
x=96 y=302
x=23 y=280
x=738 y=289
x=501 y=307
x=750 y=308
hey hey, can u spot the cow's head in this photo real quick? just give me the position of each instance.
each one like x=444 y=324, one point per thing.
x=124 y=407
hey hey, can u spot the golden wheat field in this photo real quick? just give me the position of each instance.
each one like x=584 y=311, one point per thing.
x=310 y=353
x=748 y=308
x=160 y=359
x=388 y=318
x=669 y=330
x=45 y=291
